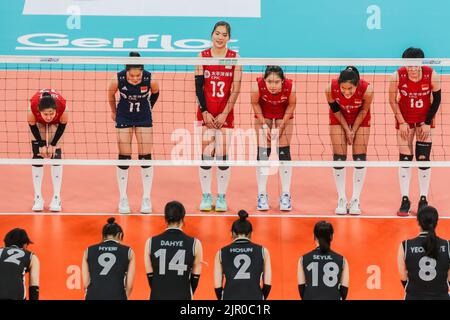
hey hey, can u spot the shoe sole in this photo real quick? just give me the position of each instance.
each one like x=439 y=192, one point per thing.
x=124 y=212
x=354 y=213
x=221 y=209
x=340 y=213
x=263 y=209
x=403 y=214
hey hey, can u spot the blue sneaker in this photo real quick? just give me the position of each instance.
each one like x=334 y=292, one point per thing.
x=263 y=202
x=285 y=202
x=206 y=204
x=221 y=203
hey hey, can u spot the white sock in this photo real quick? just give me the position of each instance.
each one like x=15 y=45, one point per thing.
x=405 y=177
x=285 y=177
x=205 y=179
x=358 y=181
x=57 y=180
x=262 y=175
x=424 y=181
x=122 y=180
x=147 y=178
x=38 y=174
x=339 y=178
x=223 y=177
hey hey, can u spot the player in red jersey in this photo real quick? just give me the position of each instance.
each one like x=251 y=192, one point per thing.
x=47 y=117
x=349 y=98
x=273 y=99
x=410 y=92
x=217 y=89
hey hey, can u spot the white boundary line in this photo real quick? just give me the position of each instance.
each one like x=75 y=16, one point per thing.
x=214 y=215
x=234 y=163
x=327 y=62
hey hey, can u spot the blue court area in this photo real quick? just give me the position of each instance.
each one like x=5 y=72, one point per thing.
x=261 y=28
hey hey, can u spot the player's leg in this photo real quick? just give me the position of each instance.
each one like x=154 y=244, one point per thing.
x=262 y=173
x=124 y=138
x=205 y=172
x=37 y=174
x=284 y=154
x=222 y=139
x=359 y=173
x=56 y=170
x=406 y=154
x=144 y=137
x=339 y=143
x=423 y=151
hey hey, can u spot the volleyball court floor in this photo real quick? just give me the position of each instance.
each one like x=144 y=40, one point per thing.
x=90 y=194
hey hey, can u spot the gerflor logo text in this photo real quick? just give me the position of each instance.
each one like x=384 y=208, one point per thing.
x=145 y=42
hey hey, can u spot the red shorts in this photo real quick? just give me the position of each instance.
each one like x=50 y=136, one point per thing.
x=229 y=122
x=365 y=123
x=415 y=124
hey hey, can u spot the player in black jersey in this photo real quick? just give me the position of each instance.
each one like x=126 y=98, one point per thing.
x=138 y=94
x=15 y=261
x=322 y=273
x=243 y=264
x=424 y=262
x=108 y=267
x=173 y=260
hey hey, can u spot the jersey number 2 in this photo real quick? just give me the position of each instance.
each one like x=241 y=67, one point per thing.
x=14 y=255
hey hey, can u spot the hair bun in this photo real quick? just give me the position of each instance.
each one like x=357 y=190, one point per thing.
x=134 y=54
x=243 y=215
x=111 y=220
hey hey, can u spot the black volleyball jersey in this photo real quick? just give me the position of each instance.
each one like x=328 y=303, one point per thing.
x=14 y=264
x=172 y=255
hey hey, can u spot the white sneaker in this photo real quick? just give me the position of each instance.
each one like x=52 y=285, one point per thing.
x=124 y=207
x=146 y=206
x=263 y=202
x=354 y=207
x=55 y=205
x=285 y=202
x=38 y=204
x=342 y=207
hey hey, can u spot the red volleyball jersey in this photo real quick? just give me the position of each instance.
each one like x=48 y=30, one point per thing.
x=350 y=107
x=60 y=106
x=274 y=106
x=415 y=97
x=217 y=87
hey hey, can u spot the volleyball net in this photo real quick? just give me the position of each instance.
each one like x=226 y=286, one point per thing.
x=91 y=137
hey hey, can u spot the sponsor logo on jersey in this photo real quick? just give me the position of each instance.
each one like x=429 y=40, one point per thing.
x=125 y=88
x=425 y=87
x=144 y=89
x=207 y=74
x=405 y=86
x=358 y=101
x=403 y=92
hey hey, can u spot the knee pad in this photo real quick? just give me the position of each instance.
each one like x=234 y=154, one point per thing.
x=263 y=153
x=284 y=153
x=207 y=158
x=423 y=151
x=122 y=157
x=222 y=158
x=35 y=147
x=339 y=157
x=406 y=157
x=360 y=157
x=57 y=155
x=145 y=157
